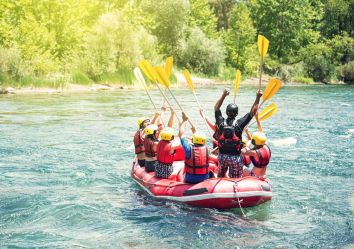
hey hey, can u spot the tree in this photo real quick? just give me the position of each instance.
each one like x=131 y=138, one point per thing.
x=240 y=38
x=203 y=17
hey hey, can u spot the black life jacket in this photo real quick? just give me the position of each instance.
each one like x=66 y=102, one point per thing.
x=229 y=142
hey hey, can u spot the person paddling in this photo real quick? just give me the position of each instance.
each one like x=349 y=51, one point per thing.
x=230 y=140
x=150 y=145
x=166 y=149
x=197 y=154
x=259 y=152
x=139 y=138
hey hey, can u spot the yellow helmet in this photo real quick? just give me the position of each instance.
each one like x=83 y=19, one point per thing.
x=244 y=142
x=167 y=134
x=142 y=120
x=199 y=138
x=258 y=138
x=150 y=129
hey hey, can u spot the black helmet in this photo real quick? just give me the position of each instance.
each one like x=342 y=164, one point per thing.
x=231 y=110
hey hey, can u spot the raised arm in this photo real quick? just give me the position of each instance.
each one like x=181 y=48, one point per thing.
x=256 y=103
x=247 y=133
x=155 y=118
x=260 y=128
x=218 y=103
x=182 y=125
x=210 y=124
x=170 y=121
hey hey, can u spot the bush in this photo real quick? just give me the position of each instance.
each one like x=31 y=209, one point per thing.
x=200 y=54
x=81 y=78
x=317 y=60
x=347 y=72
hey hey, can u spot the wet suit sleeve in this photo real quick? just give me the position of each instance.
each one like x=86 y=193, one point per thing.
x=218 y=117
x=186 y=147
x=242 y=122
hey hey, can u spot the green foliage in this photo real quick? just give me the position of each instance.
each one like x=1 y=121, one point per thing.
x=343 y=48
x=114 y=44
x=318 y=62
x=201 y=54
x=347 y=72
x=81 y=78
x=240 y=40
x=338 y=17
x=285 y=23
x=169 y=18
x=203 y=17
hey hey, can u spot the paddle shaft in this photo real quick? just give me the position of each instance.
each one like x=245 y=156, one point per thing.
x=168 y=102
x=260 y=73
x=180 y=107
x=206 y=124
x=152 y=102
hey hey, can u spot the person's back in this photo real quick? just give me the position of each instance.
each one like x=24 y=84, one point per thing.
x=139 y=141
x=150 y=145
x=259 y=154
x=165 y=154
x=197 y=159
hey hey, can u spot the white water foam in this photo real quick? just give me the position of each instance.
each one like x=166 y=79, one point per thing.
x=284 y=142
x=351 y=131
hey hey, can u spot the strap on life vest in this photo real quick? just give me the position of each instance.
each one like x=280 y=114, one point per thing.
x=264 y=155
x=198 y=169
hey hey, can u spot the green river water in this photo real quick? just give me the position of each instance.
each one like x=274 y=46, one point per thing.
x=65 y=162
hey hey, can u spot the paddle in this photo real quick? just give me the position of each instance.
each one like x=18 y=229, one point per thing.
x=139 y=76
x=263 y=44
x=237 y=83
x=191 y=86
x=150 y=72
x=164 y=80
x=267 y=112
x=271 y=89
x=168 y=66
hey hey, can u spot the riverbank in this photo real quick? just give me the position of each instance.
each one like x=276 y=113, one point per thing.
x=180 y=83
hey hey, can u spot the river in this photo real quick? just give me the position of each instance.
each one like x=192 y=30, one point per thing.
x=65 y=162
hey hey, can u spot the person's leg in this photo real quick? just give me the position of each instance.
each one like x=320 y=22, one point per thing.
x=235 y=167
x=223 y=165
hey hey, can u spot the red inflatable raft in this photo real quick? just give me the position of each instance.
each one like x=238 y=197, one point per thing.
x=220 y=193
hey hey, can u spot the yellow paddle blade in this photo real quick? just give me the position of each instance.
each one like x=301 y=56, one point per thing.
x=162 y=77
x=267 y=112
x=263 y=45
x=237 y=82
x=168 y=66
x=271 y=89
x=147 y=69
x=188 y=79
x=139 y=76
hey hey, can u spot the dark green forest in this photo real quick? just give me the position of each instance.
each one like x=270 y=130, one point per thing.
x=51 y=43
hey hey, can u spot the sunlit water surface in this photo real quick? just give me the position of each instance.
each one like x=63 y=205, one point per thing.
x=65 y=162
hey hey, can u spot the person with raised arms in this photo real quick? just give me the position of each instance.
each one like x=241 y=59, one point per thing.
x=230 y=140
x=213 y=127
x=258 y=152
x=196 y=154
x=139 y=137
x=166 y=149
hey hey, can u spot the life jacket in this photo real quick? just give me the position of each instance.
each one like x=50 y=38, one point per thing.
x=246 y=159
x=163 y=152
x=229 y=142
x=263 y=157
x=139 y=142
x=198 y=163
x=149 y=147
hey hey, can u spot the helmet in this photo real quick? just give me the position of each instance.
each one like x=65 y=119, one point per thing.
x=150 y=129
x=231 y=110
x=244 y=142
x=258 y=138
x=199 y=138
x=142 y=120
x=167 y=134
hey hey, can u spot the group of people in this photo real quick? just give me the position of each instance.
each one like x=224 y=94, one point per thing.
x=155 y=145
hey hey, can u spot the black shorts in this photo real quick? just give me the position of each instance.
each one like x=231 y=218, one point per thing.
x=141 y=163
x=150 y=166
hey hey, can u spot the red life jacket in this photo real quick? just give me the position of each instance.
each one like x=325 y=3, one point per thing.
x=263 y=157
x=198 y=163
x=139 y=142
x=163 y=152
x=246 y=159
x=149 y=147
x=229 y=142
